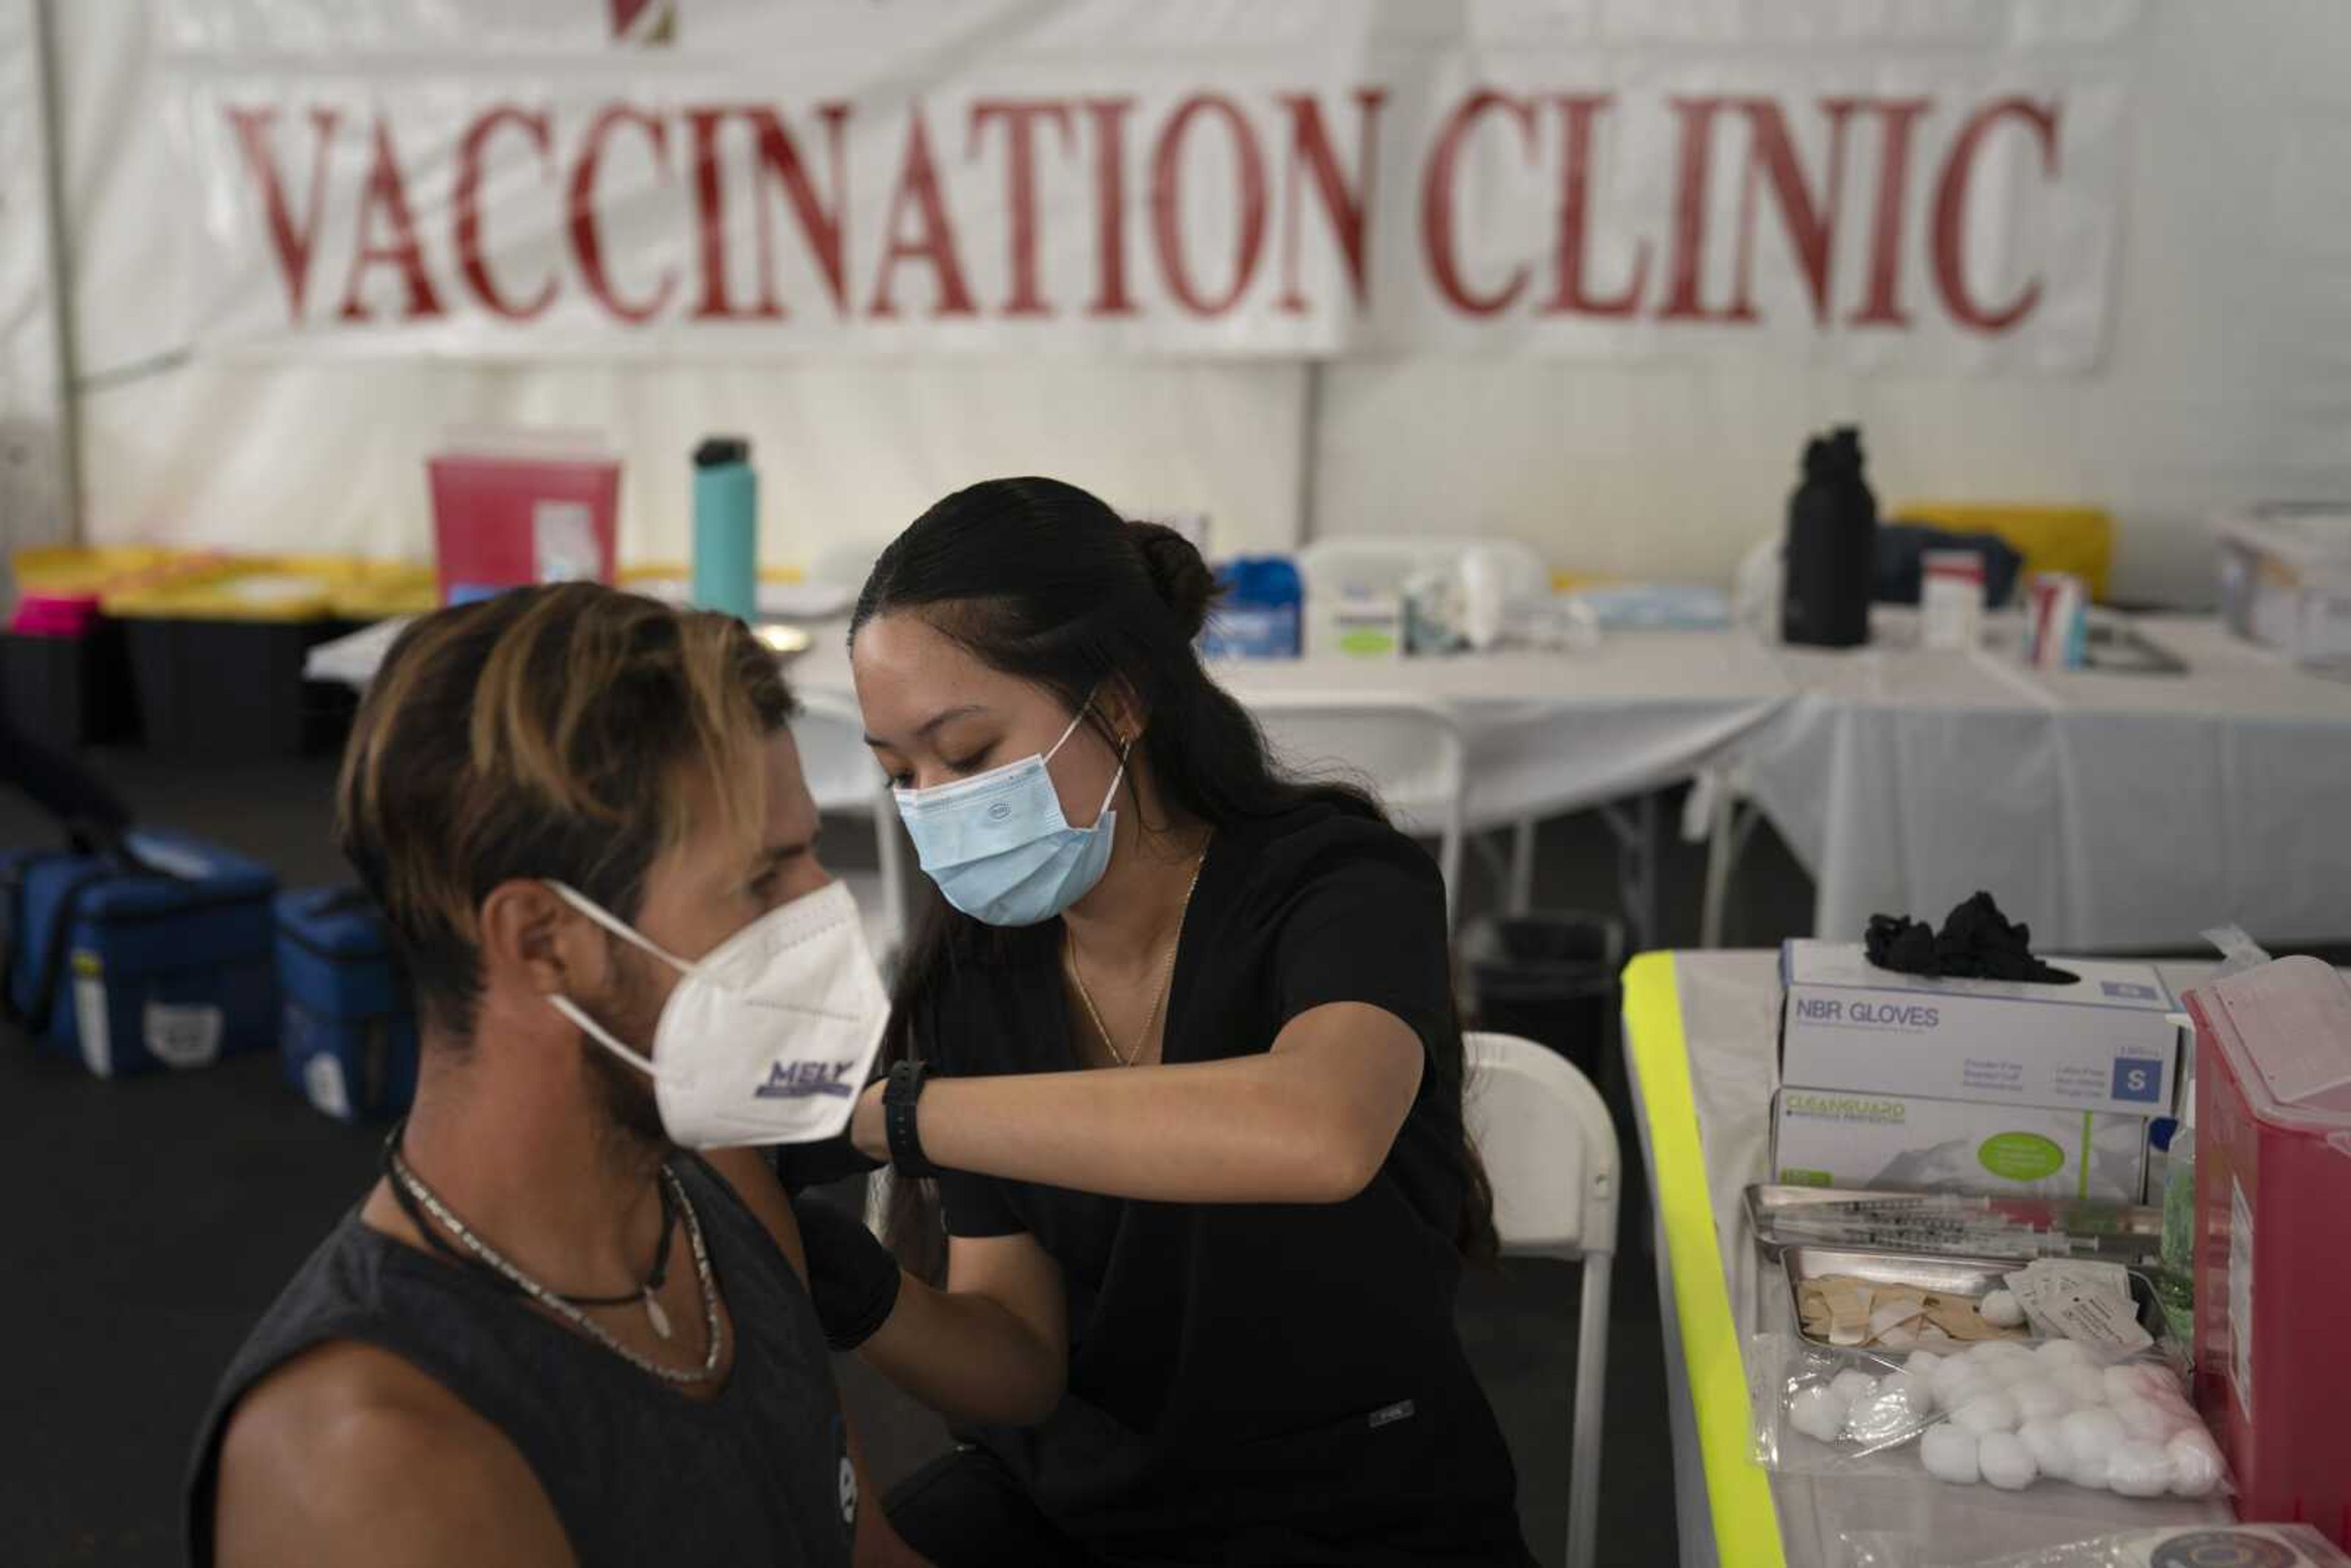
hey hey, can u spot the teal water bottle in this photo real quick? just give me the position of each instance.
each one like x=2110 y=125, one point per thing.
x=725 y=527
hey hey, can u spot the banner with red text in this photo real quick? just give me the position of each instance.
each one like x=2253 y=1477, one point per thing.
x=1918 y=184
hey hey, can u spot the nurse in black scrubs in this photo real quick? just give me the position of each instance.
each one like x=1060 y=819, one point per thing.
x=1177 y=1060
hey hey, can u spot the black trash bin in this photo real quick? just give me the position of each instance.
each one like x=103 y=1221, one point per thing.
x=1552 y=976
x=1549 y=977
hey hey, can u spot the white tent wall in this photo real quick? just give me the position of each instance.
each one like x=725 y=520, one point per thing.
x=2227 y=376
x=2224 y=378
x=31 y=492
x=329 y=455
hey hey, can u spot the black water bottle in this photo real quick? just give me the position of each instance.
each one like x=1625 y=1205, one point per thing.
x=1832 y=547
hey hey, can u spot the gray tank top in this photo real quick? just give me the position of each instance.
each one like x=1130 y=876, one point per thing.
x=637 y=1472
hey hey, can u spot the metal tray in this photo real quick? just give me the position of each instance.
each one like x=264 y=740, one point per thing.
x=2127 y=1233
x=1944 y=1276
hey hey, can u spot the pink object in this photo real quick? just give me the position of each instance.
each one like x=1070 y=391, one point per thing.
x=2056 y=621
x=2273 y=1250
x=501 y=522
x=1955 y=563
x=55 y=615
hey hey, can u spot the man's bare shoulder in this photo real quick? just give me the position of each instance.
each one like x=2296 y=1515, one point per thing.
x=350 y=1454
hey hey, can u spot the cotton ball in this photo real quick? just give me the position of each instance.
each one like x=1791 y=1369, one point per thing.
x=2005 y=1461
x=2145 y=1419
x=2039 y=1401
x=2081 y=1385
x=1922 y=1363
x=1957 y=1381
x=2021 y=1374
x=1852 y=1386
x=2195 y=1463
x=1987 y=1412
x=2140 y=1469
x=2091 y=1473
x=2044 y=1439
x=2132 y=1380
x=1949 y=1453
x=2059 y=1352
x=1891 y=1413
x=2091 y=1436
x=2001 y=1309
x=1818 y=1413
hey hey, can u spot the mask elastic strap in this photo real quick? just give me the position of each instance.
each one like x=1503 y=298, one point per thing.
x=1076 y=719
x=1111 y=794
x=617 y=926
x=602 y=1036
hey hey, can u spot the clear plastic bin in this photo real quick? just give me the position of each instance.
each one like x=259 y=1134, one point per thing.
x=2285 y=581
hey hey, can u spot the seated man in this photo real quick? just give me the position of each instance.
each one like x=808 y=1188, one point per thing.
x=552 y=1334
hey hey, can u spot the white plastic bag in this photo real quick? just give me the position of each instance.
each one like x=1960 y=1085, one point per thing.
x=2001 y=1414
x=2178 y=1546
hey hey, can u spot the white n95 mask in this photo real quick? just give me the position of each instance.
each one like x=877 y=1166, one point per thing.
x=769 y=1038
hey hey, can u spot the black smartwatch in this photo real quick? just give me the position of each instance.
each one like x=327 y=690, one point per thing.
x=906 y=1087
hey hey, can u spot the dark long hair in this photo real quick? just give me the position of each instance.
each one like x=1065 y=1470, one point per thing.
x=1042 y=581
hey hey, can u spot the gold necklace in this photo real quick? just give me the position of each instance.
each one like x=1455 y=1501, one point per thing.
x=1166 y=976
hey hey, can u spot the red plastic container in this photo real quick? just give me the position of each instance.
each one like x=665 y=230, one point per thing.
x=504 y=520
x=2273 y=1237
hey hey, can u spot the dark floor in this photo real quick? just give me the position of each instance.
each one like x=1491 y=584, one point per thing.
x=153 y=1219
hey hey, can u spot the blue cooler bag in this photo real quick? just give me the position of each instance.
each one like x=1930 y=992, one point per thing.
x=348 y=1036
x=157 y=956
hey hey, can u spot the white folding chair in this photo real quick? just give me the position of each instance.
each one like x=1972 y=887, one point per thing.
x=844 y=777
x=1550 y=1150
x=1411 y=755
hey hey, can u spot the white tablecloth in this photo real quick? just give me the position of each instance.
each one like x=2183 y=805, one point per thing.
x=1729 y=1012
x=1545 y=734
x=2108 y=811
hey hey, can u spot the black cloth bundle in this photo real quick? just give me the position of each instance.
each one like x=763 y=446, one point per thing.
x=1977 y=943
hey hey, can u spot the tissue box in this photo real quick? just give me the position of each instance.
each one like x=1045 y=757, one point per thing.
x=1823 y=1138
x=2104 y=1043
x=1357 y=626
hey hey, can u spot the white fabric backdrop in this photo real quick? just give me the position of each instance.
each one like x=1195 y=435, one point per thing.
x=2223 y=377
x=30 y=474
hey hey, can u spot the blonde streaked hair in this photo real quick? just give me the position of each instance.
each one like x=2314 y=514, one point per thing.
x=570 y=732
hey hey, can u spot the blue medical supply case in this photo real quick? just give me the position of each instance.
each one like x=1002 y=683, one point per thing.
x=153 y=955
x=1260 y=610
x=347 y=1039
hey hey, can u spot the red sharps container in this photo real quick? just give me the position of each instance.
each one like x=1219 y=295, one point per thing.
x=2273 y=1237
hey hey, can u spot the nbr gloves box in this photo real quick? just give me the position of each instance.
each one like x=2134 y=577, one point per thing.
x=1828 y=1137
x=2104 y=1043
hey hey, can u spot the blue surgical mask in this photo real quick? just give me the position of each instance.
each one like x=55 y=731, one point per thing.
x=998 y=846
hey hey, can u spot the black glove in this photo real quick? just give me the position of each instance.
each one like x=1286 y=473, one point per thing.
x=852 y=1278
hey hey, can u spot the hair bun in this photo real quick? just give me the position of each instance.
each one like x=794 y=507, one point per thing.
x=1181 y=578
